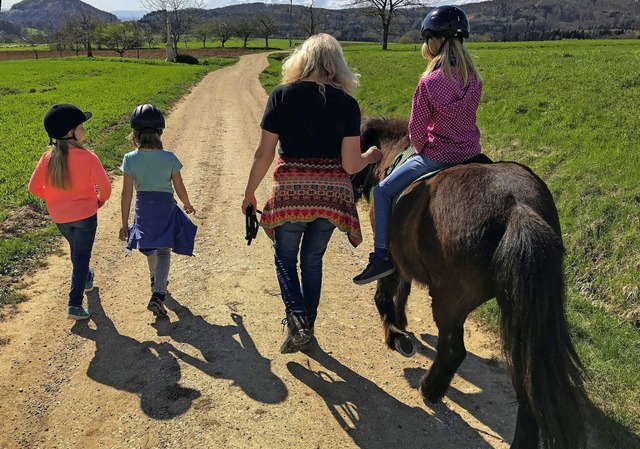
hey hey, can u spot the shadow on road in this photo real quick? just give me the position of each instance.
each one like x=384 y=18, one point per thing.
x=224 y=356
x=147 y=369
x=486 y=376
x=375 y=419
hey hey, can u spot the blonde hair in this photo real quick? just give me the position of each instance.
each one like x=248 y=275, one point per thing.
x=320 y=56
x=450 y=55
x=147 y=138
x=57 y=171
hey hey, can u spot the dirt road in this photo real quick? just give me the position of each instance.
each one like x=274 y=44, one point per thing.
x=212 y=376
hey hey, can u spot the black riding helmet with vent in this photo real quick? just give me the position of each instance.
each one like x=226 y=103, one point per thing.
x=147 y=116
x=445 y=21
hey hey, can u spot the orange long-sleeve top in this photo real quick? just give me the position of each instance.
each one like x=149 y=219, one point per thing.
x=81 y=200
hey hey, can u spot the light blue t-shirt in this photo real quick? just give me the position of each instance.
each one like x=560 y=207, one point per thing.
x=151 y=170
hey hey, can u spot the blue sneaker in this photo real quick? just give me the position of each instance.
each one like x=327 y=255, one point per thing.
x=77 y=313
x=88 y=286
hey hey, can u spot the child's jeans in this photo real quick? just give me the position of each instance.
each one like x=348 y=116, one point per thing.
x=159 y=265
x=80 y=235
x=315 y=237
x=391 y=186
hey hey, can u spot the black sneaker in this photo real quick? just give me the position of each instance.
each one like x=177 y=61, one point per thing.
x=298 y=334
x=377 y=269
x=156 y=305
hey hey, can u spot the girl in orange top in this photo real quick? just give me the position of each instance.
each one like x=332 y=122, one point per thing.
x=74 y=185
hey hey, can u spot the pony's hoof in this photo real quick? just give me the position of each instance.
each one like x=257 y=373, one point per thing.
x=404 y=345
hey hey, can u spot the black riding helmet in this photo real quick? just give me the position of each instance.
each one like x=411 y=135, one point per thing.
x=445 y=21
x=62 y=118
x=147 y=116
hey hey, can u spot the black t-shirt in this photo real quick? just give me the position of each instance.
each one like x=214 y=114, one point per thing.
x=308 y=123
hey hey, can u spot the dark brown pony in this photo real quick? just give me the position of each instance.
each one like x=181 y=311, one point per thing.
x=471 y=233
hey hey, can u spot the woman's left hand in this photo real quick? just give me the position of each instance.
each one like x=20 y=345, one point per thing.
x=249 y=200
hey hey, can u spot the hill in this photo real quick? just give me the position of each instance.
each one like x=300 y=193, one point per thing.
x=46 y=15
x=498 y=20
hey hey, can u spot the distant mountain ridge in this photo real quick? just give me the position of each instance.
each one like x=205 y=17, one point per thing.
x=48 y=14
x=490 y=20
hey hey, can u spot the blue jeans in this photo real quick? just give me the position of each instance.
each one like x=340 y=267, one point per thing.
x=315 y=237
x=80 y=235
x=391 y=186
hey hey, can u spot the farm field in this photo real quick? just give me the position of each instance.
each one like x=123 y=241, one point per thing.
x=544 y=105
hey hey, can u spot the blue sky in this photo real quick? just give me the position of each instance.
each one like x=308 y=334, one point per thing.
x=129 y=5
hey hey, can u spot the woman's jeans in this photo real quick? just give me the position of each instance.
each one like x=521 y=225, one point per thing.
x=159 y=264
x=315 y=237
x=391 y=186
x=80 y=235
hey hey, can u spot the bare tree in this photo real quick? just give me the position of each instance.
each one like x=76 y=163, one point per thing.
x=34 y=39
x=309 y=25
x=69 y=35
x=88 y=24
x=245 y=28
x=181 y=15
x=267 y=27
x=203 y=31
x=385 y=9
x=223 y=30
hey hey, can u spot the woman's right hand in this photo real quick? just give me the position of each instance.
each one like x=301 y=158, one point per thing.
x=123 y=234
x=374 y=154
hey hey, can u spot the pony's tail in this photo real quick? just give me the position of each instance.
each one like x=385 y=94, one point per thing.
x=544 y=366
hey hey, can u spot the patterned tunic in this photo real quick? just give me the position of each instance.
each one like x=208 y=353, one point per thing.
x=308 y=188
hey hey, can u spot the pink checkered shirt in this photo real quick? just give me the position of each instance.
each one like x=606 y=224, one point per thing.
x=443 y=126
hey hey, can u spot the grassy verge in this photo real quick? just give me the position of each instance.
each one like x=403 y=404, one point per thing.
x=569 y=110
x=108 y=87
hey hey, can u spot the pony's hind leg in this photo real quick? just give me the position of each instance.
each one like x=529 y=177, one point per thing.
x=391 y=299
x=450 y=351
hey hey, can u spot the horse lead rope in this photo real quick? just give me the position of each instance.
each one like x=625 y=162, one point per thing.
x=251 y=224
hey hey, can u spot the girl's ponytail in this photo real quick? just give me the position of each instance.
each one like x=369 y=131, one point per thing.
x=58 y=167
x=57 y=171
x=452 y=57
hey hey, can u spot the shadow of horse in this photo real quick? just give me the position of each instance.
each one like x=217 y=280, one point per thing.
x=224 y=356
x=485 y=408
x=147 y=369
x=374 y=419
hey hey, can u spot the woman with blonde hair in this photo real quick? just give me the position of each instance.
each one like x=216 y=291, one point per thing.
x=317 y=123
x=442 y=126
x=74 y=185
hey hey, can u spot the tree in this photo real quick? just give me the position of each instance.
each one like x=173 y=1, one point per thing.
x=385 y=9
x=34 y=39
x=310 y=23
x=203 y=31
x=119 y=37
x=222 y=30
x=244 y=27
x=267 y=27
x=180 y=15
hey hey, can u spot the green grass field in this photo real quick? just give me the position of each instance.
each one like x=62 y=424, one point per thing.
x=571 y=111
x=109 y=88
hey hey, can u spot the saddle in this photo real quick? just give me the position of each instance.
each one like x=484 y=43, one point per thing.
x=403 y=156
